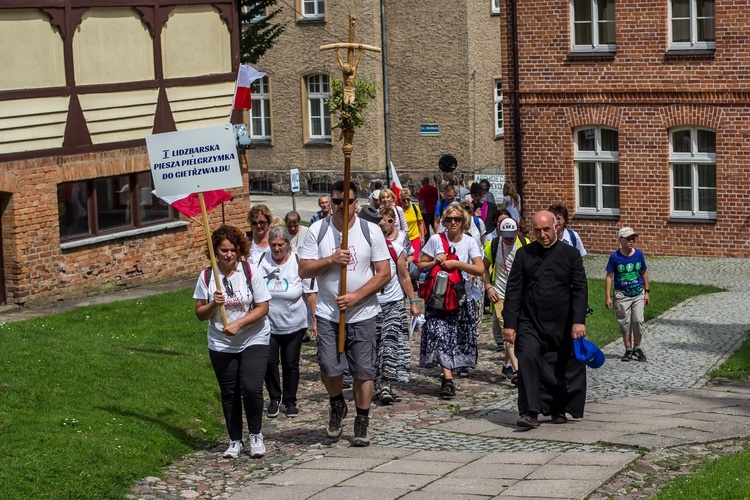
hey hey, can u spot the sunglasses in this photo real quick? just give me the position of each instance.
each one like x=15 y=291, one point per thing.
x=228 y=287
x=631 y=238
x=339 y=201
x=451 y=220
x=259 y=223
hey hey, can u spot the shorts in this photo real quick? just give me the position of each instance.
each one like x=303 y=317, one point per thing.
x=629 y=311
x=497 y=321
x=359 y=349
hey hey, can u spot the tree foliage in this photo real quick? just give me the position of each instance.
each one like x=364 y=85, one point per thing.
x=259 y=31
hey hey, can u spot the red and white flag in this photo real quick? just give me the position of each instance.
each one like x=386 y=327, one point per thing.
x=245 y=77
x=190 y=205
x=395 y=184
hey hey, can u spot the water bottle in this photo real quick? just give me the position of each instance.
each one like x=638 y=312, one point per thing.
x=441 y=283
x=422 y=277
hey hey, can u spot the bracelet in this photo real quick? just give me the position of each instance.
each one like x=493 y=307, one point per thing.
x=411 y=301
x=647 y=290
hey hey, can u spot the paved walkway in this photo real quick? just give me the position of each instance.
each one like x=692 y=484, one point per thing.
x=638 y=417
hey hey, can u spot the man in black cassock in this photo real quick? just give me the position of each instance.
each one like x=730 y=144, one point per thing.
x=545 y=309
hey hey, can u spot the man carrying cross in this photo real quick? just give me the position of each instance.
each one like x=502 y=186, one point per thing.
x=368 y=271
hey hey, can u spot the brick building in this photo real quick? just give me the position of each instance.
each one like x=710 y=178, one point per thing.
x=443 y=68
x=634 y=113
x=82 y=84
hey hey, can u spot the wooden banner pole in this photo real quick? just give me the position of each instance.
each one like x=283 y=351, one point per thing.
x=345 y=240
x=214 y=267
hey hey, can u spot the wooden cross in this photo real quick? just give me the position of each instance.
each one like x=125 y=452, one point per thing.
x=349 y=72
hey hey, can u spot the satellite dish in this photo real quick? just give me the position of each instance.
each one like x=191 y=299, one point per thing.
x=447 y=163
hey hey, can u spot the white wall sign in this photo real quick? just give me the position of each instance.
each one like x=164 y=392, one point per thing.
x=193 y=161
x=496 y=185
x=294 y=179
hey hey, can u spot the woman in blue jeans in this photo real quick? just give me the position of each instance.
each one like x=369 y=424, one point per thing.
x=291 y=299
x=239 y=350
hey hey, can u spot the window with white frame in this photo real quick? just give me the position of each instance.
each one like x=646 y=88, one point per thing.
x=260 y=114
x=692 y=24
x=597 y=171
x=496 y=6
x=692 y=164
x=593 y=25
x=499 y=108
x=311 y=9
x=318 y=116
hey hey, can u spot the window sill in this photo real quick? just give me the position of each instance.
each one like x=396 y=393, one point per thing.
x=318 y=143
x=591 y=55
x=311 y=20
x=94 y=240
x=689 y=53
x=592 y=216
x=499 y=136
x=690 y=220
x=260 y=143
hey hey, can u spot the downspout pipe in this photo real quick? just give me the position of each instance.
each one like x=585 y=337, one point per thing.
x=517 y=105
x=386 y=104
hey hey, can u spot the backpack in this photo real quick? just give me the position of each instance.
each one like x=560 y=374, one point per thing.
x=327 y=223
x=573 y=238
x=494 y=245
x=207 y=272
x=455 y=291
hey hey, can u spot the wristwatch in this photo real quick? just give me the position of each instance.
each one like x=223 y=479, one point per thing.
x=647 y=290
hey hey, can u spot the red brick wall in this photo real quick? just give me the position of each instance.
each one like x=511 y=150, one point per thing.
x=642 y=92
x=38 y=270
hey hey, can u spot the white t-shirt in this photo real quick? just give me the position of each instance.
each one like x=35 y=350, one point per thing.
x=502 y=271
x=466 y=249
x=256 y=252
x=568 y=241
x=287 y=311
x=393 y=291
x=296 y=241
x=359 y=271
x=237 y=305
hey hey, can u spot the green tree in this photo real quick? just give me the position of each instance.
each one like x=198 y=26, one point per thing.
x=259 y=32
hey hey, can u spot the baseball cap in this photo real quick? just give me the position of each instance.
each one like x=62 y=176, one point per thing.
x=625 y=232
x=588 y=353
x=370 y=214
x=508 y=228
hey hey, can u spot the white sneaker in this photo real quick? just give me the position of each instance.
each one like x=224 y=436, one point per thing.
x=257 y=448
x=234 y=450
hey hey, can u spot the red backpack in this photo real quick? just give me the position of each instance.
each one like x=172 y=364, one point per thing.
x=455 y=291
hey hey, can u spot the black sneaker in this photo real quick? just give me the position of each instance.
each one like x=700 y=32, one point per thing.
x=360 y=431
x=527 y=422
x=462 y=372
x=508 y=372
x=628 y=356
x=291 y=411
x=386 y=396
x=638 y=354
x=273 y=409
x=337 y=413
x=447 y=389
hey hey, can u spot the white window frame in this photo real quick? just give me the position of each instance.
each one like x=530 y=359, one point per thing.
x=499 y=117
x=319 y=96
x=694 y=43
x=260 y=97
x=496 y=6
x=319 y=10
x=694 y=158
x=598 y=157
x=595 y=46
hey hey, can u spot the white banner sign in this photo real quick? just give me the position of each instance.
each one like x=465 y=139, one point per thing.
x=193 y=161
x=496 y=185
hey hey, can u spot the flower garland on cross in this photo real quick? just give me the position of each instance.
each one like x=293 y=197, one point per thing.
x=350 y=115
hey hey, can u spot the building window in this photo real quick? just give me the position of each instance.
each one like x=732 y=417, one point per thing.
x=692 y=24
x=311 y=10
x=259 y=13
x=597 y=171
x=108 y=205
x=318 y=118
x=260 y=114
x=692 y=162
x=499 y=108
x=593 y=25
x=496 y=6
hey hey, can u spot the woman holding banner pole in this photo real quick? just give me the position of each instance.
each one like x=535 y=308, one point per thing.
x=239 y=350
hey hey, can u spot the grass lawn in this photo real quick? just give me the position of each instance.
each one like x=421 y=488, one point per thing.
x=94 y=399
x=725 y=477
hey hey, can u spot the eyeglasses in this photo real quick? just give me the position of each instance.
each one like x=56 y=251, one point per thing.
x=228 y=287
x=630 y=238
x=339 y=201
x=451 y=220
x=259 y=223
x=405 y=199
